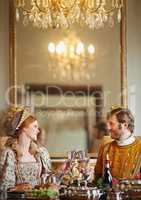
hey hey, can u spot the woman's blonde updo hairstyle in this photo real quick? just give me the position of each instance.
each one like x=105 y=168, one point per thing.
x=16 y=118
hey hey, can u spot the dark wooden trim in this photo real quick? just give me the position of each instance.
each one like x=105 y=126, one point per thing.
x=57 y=89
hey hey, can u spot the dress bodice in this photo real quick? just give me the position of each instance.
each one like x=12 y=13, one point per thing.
x=13 y=172
x=28 y=172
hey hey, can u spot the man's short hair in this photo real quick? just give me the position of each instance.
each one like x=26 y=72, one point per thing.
x=123 y=115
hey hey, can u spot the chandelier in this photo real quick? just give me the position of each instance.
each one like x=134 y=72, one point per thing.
x=70 y=58
x=64 y=13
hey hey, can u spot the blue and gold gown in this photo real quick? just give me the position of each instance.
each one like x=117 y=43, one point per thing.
x=13 y=172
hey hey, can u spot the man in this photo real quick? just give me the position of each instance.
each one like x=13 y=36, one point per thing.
x=124 y=151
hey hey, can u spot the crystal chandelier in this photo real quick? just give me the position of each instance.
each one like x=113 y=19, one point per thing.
x=70 y=58
x=64 y=13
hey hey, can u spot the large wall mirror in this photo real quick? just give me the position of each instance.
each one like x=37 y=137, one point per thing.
x=68 y=94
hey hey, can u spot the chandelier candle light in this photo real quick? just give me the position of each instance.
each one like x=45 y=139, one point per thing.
x=64 y=13
x=71 y=56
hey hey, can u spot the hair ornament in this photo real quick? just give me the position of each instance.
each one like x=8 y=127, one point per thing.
x=116 y=107
x=14 y=118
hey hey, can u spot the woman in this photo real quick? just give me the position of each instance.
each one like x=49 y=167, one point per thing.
x=19 y=162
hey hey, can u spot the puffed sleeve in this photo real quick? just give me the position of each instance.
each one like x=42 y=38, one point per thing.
x=7 y=169
x=45 y=158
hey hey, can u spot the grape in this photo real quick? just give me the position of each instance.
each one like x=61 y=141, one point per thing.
x=45 y=192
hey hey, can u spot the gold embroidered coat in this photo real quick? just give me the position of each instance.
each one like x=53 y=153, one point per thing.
x=125 y=161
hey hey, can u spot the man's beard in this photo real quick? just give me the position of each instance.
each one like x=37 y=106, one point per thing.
x=115 y=136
